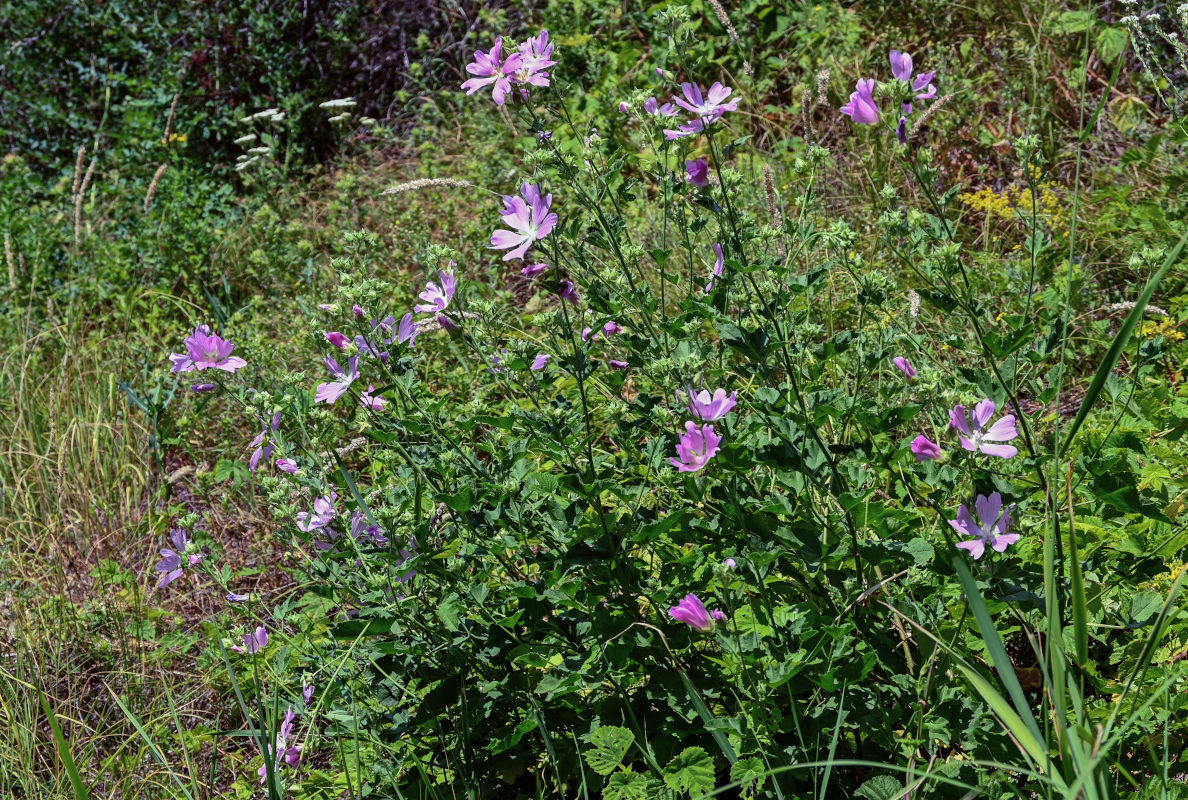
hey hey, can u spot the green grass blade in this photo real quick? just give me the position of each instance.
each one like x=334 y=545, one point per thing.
x=76 y=782
x=1120 y=341
x=1023 y=734
x=995 y=648
x=154 y=751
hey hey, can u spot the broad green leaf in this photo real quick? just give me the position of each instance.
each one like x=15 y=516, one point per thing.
x=625 y=786
x=750 y=774
x=610 y=745
x=691 y=771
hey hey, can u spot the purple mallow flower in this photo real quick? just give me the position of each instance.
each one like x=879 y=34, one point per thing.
x=697 y=445
x=979 y=438
x=287 y=465
x=713 y=103
x=437 y=298
x=408 y=330
x=535 y=59
x=529 y=218
x=990 y=528
x=904 y=366
x=532 y=270
x=901 y=68
x=541 y=361
x=170 y=564
x=707 y=107
x=616 y=364
x=697 y=171
x=719 y=264
x=264 y=450
x=330 y=392
x=307 y=695
x=284 y=753
x=253 y=641
x=322 y=515
x=861 y=107
x=707 y=407
x=652 y=107
x=206 y=350
x=369 y=400
x=925 y=450
x=492 y=69
x=693 y=613
x=202 y=387
x=339 y=340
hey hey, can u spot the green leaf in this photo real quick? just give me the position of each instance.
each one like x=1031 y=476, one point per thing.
x=625 y=786
x=1111 y=43
x=750 y=774
x=449 y=611
x=691 y=771
x=610 y=745
x=880 y=787
x=80 y=789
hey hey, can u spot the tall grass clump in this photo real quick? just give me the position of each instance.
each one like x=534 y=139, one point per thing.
x=691 y=480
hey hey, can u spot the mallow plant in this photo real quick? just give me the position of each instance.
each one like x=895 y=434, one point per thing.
x=678 y=482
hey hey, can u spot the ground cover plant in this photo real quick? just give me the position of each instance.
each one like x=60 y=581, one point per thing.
x=702 y=423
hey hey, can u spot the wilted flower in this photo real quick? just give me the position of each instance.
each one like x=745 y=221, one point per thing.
x=709 y=408
x=232 y=597
x=980 y=438
x=491 y=68
x=307 y=695
x=530 y=219
x=616 y=364
x=861 y=107
x=532 y=270
x=925 y=450
x=330 y=392
x=697 y=171
x=287 y=465
x=719 y=263
x=692 y=612
x=541 y=361
x=206 y=350
x=904 y=366
x=264 y=450
x=202 y=387
x=624 y=107
x=569 y=292
x=361 y=528
x=989 y=529
x=697 y=445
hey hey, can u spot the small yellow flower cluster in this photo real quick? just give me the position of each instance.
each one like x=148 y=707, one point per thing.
x=178 y=138
x=1165 y=328
x=1019 y=202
